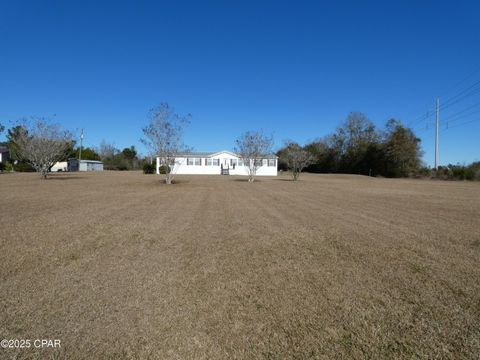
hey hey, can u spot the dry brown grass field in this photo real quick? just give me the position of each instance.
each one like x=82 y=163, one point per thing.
x=121 y=266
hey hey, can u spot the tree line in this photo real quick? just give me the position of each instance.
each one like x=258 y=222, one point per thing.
x=357 y=147
x=37 y=144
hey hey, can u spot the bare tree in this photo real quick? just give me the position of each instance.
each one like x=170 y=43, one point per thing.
x=252 y=147
x=107 y=151
x=163 y=136
x=42 y=144
x=296 y=158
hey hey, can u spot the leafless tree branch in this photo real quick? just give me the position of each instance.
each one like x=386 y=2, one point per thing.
x=252 y=147
x=163 y=136
x=42 y=144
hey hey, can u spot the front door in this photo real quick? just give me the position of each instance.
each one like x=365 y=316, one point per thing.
x=226 y=164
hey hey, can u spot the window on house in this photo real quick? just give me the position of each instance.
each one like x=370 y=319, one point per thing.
x=213 y=162
x=233 y=162
x=194 y=161
x=272 y=162
x=258 y=162
x=240 y=162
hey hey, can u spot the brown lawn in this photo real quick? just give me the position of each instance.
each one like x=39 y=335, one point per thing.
x=120 y=266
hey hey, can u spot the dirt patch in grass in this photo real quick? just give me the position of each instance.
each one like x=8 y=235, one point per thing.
x=117 y=265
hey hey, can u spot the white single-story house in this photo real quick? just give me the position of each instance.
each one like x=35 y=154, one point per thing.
x=59 y=166
x=4 y=154
x=223 y=162
x=84 y=165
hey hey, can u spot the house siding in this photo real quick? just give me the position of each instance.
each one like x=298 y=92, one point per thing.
x=181 y=167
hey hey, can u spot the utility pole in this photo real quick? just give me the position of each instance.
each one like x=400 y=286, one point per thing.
x=436 y=132
x=81 y=144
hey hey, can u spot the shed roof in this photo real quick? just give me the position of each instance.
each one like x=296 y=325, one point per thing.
x=87 y=161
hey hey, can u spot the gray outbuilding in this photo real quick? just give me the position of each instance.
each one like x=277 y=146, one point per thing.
x=4 y=154
x=84 y=165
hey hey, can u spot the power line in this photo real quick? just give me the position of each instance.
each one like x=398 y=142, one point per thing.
x=461 y=81
x=421 y=118
x=419 y=122
x=462 y=111
x=471 y=90
x=463 y=116
x=431 y=111
x=451 y=101
x=461 y=124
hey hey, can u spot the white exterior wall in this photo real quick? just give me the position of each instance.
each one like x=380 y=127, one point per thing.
x=1 y=154
x=224 y=157
x=59 y=166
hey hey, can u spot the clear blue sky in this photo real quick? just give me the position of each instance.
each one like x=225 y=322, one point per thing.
x=291 y=68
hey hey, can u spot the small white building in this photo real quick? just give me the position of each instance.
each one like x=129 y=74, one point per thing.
x=223 y=162
x=84 y=165
x=59 y=166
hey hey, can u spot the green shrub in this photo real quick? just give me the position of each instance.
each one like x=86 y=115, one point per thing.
x=8 y=167
x=469 y=174
x=476 y=176
x=115 y=167
x=148 y=168
x=459 y=172
x=164 y=169
x=23 y=167
x=423 y=172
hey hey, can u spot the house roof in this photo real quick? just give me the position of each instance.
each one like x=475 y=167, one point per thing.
x=211 y=154
x=4 y=149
